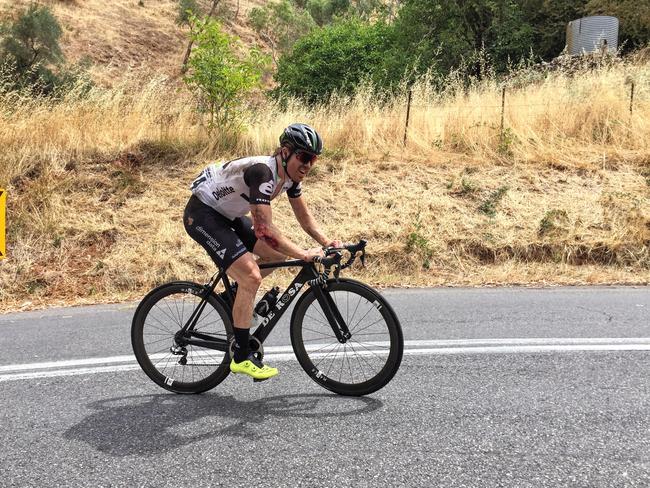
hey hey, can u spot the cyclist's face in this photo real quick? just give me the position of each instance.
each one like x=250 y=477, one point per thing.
x=299 y=165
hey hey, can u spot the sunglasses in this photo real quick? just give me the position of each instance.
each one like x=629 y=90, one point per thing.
x=305 y=157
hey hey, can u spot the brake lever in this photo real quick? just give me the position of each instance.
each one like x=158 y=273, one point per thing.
x=337 y=271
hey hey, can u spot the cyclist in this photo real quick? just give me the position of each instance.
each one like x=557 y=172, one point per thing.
x=215 y=217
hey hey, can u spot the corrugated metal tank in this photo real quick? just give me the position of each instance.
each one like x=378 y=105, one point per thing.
x=592 y=34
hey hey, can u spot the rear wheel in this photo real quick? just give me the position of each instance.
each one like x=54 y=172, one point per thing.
x=368 y=360
x=181 y=369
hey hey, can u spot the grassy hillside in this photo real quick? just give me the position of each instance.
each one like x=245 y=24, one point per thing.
x=97 y=184
x=121 y=35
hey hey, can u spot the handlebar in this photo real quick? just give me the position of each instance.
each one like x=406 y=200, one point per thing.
x=333 y=255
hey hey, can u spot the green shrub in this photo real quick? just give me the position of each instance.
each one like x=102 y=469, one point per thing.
x=218 y=76
x=186 y=8
x=324 y=11
x=335 y=58
x=31 y=58
x=552 y=222
x=488 y=207
x=416 y=242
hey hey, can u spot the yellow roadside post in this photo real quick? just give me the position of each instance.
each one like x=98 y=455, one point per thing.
x=3 y=206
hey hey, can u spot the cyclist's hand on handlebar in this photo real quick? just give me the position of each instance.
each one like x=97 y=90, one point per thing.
x=310 y=254
x=336 y=244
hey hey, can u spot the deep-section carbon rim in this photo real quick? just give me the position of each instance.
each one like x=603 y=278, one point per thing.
x=368 y=360
x=161 y=315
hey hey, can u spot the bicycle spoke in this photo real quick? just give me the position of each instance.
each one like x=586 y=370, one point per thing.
x=157 y=341
x=327 y=355
x=372 y=307
x=171 y=313
x=359 y=361
x=164 y=329
x=349 y=367
x=316 y=320
x=322 y=314
x=373 y=344
x=178 y=312
x=318 y=332
x=370 y=351
x=355 y=310
x=341 y=372
x=332 y=363
x=380 y=319
x=316 y=351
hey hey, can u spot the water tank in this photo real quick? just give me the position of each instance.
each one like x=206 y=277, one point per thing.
x=592 y=34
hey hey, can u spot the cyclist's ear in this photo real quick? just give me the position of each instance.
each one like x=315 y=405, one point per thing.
x=285 y=154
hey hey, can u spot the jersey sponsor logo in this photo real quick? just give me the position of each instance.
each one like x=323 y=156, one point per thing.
x=222 y=253
x=198 y=181
x=210 y=241
x=239 y=253
x=267 y=188
x=222 y=192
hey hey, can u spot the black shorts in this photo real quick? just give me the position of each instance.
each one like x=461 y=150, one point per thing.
x=225 y=240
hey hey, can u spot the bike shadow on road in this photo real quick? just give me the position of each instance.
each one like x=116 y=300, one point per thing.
x=142 y=424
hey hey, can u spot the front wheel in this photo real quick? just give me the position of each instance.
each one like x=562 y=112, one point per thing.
x=368 y=360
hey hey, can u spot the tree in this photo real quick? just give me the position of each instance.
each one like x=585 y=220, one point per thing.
x=324 y=11
x=220 y=78
x=186 y=8
x=442 y=35
x=280 y=24
x=188 y=51
x=634 y=19
x=335 y=58
x=30 y=45
x=549 y=19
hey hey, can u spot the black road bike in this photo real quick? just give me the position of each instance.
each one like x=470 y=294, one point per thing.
x=344 y=334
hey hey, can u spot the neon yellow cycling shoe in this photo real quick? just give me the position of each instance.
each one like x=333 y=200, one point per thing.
x=254 y=368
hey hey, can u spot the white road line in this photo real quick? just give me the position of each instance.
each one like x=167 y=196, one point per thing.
x=285 y=353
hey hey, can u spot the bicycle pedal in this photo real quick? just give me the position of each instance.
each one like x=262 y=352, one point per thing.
x=256 y=380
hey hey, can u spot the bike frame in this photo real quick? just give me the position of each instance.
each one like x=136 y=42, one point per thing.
x=307 y=275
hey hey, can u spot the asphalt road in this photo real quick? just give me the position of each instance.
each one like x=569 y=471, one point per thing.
x=498 y=387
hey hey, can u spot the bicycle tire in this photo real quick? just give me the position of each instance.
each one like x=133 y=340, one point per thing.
x=308 y=324
x=205 y=368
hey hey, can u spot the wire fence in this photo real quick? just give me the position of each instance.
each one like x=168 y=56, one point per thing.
x=503 y=106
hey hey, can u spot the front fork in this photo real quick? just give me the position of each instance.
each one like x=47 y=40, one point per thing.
x=332 y=313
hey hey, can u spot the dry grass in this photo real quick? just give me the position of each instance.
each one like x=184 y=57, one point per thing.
x=120 y=35
x=97 y=185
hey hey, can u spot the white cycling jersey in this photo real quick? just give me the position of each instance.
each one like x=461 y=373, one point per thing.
x=230 y=188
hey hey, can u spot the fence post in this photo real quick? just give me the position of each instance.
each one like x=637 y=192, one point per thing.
x=408 y=114
x=631 y=99
x=503 y=109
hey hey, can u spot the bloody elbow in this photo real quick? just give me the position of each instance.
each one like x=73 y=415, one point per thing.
x=263 y=233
